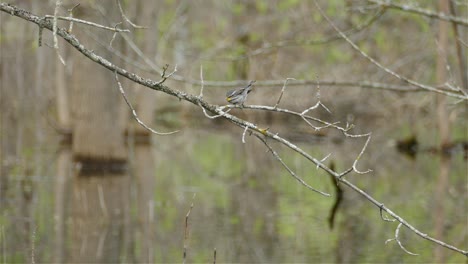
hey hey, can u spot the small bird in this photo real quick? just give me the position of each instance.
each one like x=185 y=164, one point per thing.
x=238 y=96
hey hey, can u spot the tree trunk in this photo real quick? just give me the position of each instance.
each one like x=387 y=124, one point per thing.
x=63 y=172
x=443 y=122
x=99 y=202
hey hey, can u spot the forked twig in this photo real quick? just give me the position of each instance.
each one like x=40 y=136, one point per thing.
x=282 y=91
x=122 y=13
x=277 y=157
x=383 y=216
x=135 y=114
x=360 y=154
x=163 y=74
x=397 y=231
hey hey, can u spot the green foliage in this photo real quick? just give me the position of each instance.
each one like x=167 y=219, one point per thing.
x=287 y=4
x=259 y=225
x=284 y=26
x=234 y=220
x=335 y=8
x=336 y=55
x=380 y=38
x=238 y=9
x=217 y=157
x=261 y=6
x=420 y=21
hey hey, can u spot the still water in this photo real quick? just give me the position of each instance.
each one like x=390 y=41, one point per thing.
x=207 y=194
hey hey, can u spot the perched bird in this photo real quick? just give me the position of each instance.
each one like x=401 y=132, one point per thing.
x=238 y=96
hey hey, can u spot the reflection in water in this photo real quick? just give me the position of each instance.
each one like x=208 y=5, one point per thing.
x=247 y=207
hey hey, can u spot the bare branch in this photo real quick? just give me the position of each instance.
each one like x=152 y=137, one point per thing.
x=308 y=42
x=86 y=23
x=420 y=11
x=401 y=220
x=154 y=68
x=397 y=231
x=373 y=61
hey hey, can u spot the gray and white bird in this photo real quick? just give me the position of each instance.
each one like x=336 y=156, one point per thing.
x=238 y=96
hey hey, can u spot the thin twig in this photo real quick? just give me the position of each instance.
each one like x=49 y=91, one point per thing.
x=243 y=134
x=318 y=96
x=420 y=11
x=102 y=202
x=360 y=154
x=214 y=256
x=3 y=244
x=58 y=3
x=324 y=159
x=86 y=23
x=288 y=169
x=213 y=116
x=126 y=18
x=186 y=230
x=202 y=82
x=114 y=35
x=70 y=13
x=33 y=244
x=308 y=42
x=460 y=51
x=282 y=91
x=135 y=114
x=39 y=39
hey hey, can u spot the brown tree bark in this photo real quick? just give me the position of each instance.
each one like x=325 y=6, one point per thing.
x=99 y=202
x=63 y=168
x=443 y=122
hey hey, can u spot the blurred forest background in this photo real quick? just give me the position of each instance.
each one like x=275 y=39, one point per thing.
x=81 y=181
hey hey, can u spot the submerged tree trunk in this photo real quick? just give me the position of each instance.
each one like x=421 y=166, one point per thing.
x=443 y=122
x=63 y=169
x=99 y=200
